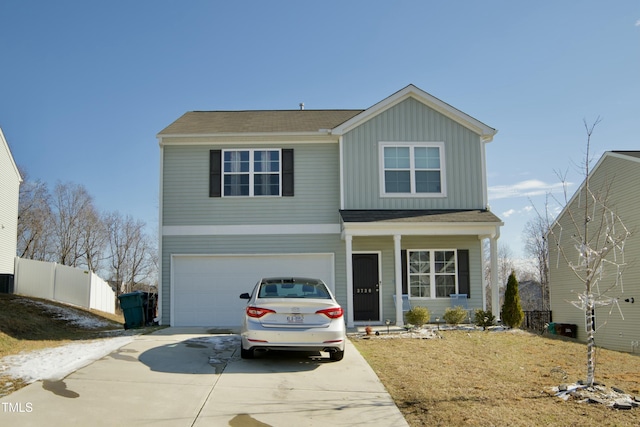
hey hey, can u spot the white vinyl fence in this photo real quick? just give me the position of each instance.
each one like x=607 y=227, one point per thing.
x=62 y=283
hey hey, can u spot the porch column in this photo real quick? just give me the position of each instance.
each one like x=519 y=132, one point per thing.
x=483 y=261
x=349 y=254
x=398 y=270
x=495 y=286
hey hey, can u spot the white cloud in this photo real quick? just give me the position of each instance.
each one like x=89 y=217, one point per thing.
x=638 y=23
x=527 y=188
x=508 y=213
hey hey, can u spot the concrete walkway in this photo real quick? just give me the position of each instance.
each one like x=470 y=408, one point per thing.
x=191 y=377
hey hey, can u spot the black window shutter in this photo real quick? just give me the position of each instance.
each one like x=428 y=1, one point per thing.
x=403 y=262
x=287 y=172
x=464 y=279
x=215 y=173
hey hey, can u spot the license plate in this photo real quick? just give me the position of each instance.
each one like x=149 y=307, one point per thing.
x=295 y=318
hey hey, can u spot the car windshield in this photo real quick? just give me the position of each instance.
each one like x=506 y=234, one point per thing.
x=289 y=288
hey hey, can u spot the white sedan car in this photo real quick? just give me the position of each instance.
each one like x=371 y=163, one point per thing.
x=297 y=314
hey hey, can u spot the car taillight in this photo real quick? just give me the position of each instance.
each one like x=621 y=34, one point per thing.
x=332 y=313
x=258 y=312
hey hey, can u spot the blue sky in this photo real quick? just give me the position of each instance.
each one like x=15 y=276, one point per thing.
x=86 y=86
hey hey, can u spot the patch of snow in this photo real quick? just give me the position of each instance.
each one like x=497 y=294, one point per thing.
x=75 y=317
x=58 y=362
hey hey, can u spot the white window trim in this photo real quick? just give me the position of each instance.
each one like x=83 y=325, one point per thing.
x=251 y=172
x=411 y=145
x=432 y=274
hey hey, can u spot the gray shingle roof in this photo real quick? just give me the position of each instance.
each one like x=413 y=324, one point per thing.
x=389 y=215
x=628 y=153
x=258 y=121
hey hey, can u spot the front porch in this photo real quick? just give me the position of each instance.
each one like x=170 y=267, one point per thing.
x=427 y=255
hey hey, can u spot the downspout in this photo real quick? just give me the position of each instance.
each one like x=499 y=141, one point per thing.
x=341 y=161
x=160 y=204
x=485 y=197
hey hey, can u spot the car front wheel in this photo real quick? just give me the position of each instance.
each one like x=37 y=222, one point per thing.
x=336 y=355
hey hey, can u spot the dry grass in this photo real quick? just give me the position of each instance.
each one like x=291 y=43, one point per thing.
x=26 y=327
x=496 y=379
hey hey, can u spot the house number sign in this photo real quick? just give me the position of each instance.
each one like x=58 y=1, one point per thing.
x=364 y=290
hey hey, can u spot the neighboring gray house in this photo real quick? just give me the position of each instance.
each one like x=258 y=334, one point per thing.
x=9 y=194
x=617 y=173
x=387 y=201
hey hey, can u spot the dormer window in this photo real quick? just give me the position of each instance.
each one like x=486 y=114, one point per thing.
x=412 y=169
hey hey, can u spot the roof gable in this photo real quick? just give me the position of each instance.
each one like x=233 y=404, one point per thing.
x=632 y=156
x=411 y=91
x=336 y=122
x=4 y=146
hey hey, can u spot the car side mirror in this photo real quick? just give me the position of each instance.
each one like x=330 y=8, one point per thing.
x=245 y=296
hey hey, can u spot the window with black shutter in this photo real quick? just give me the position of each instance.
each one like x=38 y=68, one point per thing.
x=251 y=173
x=287 y=172
x=464 y=276
x=215 y=173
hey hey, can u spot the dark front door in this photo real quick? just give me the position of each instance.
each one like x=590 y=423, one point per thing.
x=366 y=288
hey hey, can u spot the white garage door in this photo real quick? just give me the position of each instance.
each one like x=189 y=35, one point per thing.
x=206 y=289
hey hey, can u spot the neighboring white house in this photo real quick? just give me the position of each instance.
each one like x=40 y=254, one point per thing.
x=9 y=195
x=379 y=203
x=616 y=176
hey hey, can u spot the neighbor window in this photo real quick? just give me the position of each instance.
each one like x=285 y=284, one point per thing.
x=412 y=168
x=432 y=273
x=251 y=172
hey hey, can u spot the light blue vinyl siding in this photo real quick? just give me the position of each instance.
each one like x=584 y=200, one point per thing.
x=412 y=121
x=329 y=244
x=387 y=285
x=617 y=178
x=186 y=198
x=269 y=244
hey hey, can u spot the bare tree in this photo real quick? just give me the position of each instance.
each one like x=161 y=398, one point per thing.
x=598 y=234
x=537 y=247
x=129 y=251
x=505 y=264
x=93 y=239
x=72 y=206
x=67 y=228
x=34 y=220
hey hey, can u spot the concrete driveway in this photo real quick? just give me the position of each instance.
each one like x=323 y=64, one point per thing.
x=193 y=377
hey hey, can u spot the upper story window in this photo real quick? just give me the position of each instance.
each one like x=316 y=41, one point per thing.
x=415 y=169
x=432 y=273
x=251 y=172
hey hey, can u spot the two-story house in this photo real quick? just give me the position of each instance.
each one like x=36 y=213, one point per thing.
x=9 y=198
x=378 y=203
